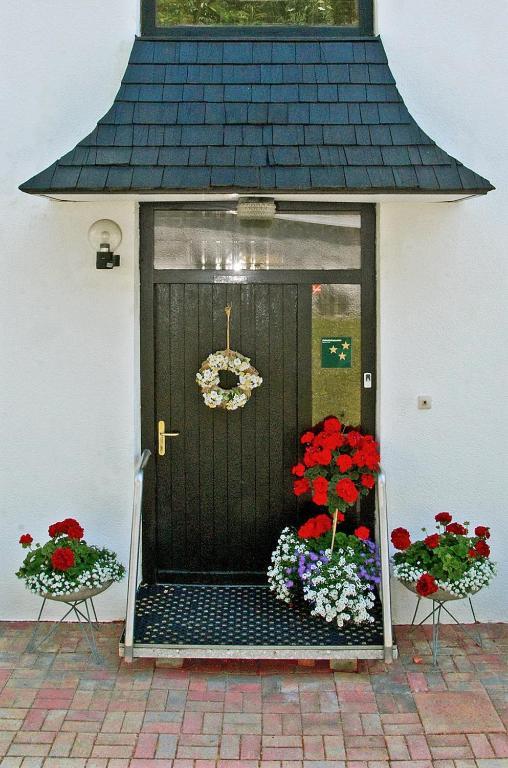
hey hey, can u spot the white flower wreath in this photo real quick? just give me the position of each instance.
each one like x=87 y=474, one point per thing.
x=208 y=379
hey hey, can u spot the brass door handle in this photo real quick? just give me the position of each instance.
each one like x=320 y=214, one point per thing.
x=161 y=437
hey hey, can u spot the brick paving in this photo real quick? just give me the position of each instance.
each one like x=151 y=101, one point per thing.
x=59 y=710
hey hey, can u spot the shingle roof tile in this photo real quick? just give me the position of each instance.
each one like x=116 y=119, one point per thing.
x=250 y=114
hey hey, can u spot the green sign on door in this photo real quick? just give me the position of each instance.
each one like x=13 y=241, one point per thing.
x=336 y=353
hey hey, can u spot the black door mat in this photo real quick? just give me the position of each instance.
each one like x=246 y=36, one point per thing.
x=244 y=615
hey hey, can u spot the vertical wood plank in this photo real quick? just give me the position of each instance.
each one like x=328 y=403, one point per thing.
x=220 y=439
x=173 y=515
x=304 y=346
x=276 y=413
x=206 y=420
x=192 y=415
x=234 y=544
x=163 y=411
x=262 y=404
x=290 y=400
x=248 y=446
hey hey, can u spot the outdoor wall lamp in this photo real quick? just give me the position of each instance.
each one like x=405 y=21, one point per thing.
x=105 y=236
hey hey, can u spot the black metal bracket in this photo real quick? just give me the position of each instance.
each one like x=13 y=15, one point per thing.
x=107 y=260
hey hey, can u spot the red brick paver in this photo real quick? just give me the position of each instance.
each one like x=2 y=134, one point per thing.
x=59 y=710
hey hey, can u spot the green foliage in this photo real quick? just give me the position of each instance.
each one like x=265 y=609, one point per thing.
x=447 y=562
x=254 y=12
x=86 y=556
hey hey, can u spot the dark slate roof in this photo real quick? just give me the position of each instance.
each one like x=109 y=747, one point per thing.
x=257 y=115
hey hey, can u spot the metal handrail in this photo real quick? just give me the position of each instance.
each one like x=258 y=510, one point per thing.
x=132 y=578
x=382 y=523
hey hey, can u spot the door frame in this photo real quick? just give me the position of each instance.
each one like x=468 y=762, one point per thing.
x=365 y=276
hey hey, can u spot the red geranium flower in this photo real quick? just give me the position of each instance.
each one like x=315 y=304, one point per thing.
x=62 y=559
x=347 y=490
x=332 y=424
x=359 y=458
x=315 y=527
x=307 y=437
x=331 y=440
x=482 y=531
x=426 y=585
x=354 y=438
x=68 y=527
x=400 y=538
x=371 y=459
x=432 y=541
x=482 y=548
x=473 y=553
x=362 y=532
x=320 y=488
x=25 y=540
x=324 y=457
x=456 y=528
x=309 y=458
x=344 y=462
x=73 y=528
x=443 y=517
x=301 y=486
x=298 y=470
x=368 y=481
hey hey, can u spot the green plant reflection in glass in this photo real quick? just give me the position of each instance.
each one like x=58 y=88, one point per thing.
x=257 y=12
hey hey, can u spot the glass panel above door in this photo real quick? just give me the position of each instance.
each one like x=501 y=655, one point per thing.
x=220 y=240
x=254 y=12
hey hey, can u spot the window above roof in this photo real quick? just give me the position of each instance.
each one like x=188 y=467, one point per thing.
x=344 y=17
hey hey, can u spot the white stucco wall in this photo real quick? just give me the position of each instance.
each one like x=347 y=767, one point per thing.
x=69 y=334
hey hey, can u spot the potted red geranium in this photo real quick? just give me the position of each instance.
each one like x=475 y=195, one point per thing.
x=446 y=565
x=66 y=567
x=340 y=463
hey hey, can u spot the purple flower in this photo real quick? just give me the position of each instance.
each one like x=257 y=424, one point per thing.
x=289 y=584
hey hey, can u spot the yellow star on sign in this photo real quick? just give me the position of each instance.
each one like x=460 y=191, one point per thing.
x=333 y=349
x=345 y=345
x=342 y=356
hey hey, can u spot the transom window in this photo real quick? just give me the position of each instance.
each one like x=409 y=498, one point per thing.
x=349 y=16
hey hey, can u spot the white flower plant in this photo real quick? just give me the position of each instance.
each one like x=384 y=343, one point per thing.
x=479 y=575
x=66 y=563
x=339 y=586
x=208 y=378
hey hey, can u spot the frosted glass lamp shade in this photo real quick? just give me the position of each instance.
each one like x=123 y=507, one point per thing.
x=104 y=235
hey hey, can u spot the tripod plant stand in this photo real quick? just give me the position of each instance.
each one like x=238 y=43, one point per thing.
x=80 y=605
x=439 y=599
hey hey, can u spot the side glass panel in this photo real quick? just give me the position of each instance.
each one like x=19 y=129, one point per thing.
x=222 y=241
x=253 y=12
x=336 y=352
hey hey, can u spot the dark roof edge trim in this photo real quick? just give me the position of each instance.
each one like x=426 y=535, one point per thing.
x=466 y=193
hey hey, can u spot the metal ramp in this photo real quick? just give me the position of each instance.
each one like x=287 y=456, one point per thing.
x=243 y=621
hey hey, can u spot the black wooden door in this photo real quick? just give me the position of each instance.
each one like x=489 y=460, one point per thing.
x=215 y=503
x=223 y=487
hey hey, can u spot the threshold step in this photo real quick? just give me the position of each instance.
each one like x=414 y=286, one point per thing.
x=241 y=621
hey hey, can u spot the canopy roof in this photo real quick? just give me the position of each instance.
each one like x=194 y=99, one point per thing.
x=257 y=116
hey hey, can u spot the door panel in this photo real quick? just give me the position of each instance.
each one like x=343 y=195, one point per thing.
x=223 y=487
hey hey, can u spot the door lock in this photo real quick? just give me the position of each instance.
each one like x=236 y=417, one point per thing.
x=161 y=437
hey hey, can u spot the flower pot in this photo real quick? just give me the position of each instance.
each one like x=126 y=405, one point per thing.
x=441 y=596
x=80 y=594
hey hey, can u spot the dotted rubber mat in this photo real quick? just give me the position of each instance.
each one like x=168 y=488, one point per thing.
x=202 y=614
